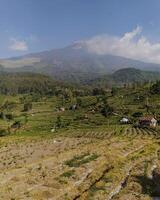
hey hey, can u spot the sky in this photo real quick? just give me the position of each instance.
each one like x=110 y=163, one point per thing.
x=129 y=28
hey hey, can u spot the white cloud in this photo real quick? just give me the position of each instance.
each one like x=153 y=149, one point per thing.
x=18 y=45
x=131 y=45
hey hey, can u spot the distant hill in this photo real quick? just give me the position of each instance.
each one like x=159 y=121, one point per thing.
x=21 y=83
x=129 y=75
x=125 y=76
x=73 y=63
x=27 y=82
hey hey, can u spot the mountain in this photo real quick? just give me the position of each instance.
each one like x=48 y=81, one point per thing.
x=74 y=63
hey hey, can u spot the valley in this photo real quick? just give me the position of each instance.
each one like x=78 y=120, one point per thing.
x=79 y=100
x=58 y=151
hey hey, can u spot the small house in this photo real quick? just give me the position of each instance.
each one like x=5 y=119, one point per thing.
x=73 y=107
x=62 y=109
x=148 y=122
x=124 y=120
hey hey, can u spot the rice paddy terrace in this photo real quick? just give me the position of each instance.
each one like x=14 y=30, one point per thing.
x=106 y=162
x=82 y=165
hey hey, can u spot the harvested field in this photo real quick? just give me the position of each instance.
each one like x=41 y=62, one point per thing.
x=77 y=167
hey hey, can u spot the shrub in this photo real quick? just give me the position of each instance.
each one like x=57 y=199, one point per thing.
x=107 y=110
x=2 y=116
x=27 y=107
x=9 y=116
x=98 y=91
x=155 y=88
x=59 y=123
x=3 y=132
x=16 y=124
x=76 y=161
x=68 y=174
x=137 y=114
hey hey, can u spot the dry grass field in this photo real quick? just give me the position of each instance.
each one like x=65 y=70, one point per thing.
x=80 y=167
x=92 y=158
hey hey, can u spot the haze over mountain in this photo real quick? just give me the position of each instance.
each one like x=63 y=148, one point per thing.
x=75 y=63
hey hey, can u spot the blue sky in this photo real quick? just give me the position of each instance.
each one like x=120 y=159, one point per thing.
x=34 y=25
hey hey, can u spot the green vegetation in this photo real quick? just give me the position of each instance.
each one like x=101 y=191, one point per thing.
x=125 y=77
x=155 y=89
x=132 y=75
x=68 y=173
x=80 y=160
x=78 y=108
x=23 y=83
x=27 y=107
x=77 y=131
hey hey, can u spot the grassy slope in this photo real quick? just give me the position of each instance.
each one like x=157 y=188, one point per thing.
x=100 y=148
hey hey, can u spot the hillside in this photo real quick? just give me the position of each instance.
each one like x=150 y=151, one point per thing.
x=20 y=83
x=130 y=75
x=73 y=63
x=28 y=82
x=124 y=76
x=83 y=153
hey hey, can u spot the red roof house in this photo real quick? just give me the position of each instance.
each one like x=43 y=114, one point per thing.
x=148 y=121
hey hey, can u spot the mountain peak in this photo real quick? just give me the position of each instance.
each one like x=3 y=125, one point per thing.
x=78 y=45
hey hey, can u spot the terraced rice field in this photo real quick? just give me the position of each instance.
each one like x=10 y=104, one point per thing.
x=90 y=165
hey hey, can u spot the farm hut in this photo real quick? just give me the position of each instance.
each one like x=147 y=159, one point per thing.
x=53 y=130
x=148 y=122
x=73 y=107
x=62 y=109
x=124 y=120
x=93 y=111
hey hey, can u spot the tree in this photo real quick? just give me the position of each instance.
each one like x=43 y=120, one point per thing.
x=107 y=110
x=114 y=91
x=79 y=102
x=98 y=91
x=68 y=95
x=25 y=118
x=137 y=114
x=104 y=99
x=155 y=88
x=59 y=123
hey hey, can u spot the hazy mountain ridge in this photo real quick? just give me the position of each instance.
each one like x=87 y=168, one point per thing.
x=73 y=63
